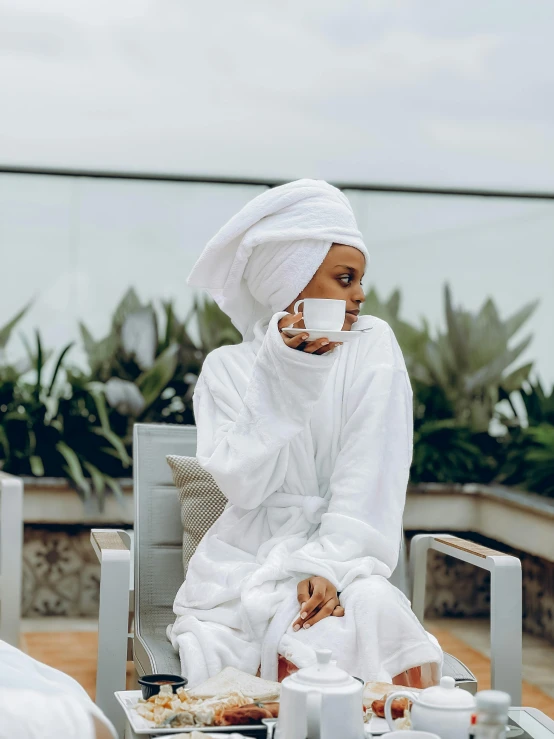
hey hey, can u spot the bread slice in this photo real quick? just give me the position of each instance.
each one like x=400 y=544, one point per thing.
x=374 y=691
x=231 y=680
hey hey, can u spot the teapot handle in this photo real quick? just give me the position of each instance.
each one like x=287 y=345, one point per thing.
x=388 y=703
x=313 y=715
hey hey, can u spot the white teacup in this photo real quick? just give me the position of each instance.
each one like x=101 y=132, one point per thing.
x=323 y=314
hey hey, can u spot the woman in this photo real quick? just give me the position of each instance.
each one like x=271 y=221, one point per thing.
x=311 y=443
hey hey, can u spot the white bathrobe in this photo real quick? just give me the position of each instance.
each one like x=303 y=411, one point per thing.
x=313 y=454
x=39 y=702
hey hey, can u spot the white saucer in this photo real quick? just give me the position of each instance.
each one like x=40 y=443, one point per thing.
x=316 y=333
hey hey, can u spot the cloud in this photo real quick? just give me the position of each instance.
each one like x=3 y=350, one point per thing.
x=373 y=91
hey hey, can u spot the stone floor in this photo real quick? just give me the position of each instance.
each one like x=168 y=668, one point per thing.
x=538 y=654
x=70 y=645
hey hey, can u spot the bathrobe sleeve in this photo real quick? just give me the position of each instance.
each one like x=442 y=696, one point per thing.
x=361 y=532
x=243 y=437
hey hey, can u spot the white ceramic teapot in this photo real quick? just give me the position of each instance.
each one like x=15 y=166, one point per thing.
x=321 y=702
x=443 y=709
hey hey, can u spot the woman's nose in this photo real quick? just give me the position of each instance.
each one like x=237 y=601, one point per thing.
x=359 y=295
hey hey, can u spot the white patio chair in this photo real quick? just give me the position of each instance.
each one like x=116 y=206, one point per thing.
x=11 y=556
x=158 y=574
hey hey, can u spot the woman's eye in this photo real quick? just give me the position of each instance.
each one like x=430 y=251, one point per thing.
x=346 y=279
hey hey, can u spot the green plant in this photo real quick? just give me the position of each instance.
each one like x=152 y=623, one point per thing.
x=529 y=458
x=445 y=452
x=147 y=365
x=56 y=419
x=458 y=378
x=214 y=327
x=46 y=431
x=470 y=361
x=538 y=406
x=6 y=332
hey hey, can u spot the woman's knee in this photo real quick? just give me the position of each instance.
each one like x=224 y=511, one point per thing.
x=374 y=586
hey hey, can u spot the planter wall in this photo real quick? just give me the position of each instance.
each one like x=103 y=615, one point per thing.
x=61 y=574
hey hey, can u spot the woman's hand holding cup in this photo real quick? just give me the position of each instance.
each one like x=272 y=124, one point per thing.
x=323 y=315
x=301 y=342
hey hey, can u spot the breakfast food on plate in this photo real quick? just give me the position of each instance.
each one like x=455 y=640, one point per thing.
x=398 y=707
x=231 y=680
x=375 y=697
x=232 y=698
x=181 y=709
x=253 y=713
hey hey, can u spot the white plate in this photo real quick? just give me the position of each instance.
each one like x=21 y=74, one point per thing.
x=316 y=333
x=129 y=699
x=377 y=726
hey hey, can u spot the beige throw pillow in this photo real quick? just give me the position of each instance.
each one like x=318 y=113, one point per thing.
x=202 y=502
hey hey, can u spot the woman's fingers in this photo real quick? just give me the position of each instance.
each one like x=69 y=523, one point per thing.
x=319 y=346
x=326 y=349
x=290 y=320
x=313 y=347
x=317 y=599
x=326 y=610
x=331 y=608
x=300 y=342
x=295 y=342
x=303 y=591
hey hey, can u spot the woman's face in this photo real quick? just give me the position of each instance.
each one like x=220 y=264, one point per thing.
x=338 y=278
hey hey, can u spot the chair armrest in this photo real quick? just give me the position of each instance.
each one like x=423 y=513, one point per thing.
x=105 y=540
x=11 y=556
x=506 y=601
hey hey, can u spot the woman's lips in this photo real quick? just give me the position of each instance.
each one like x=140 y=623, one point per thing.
x=351 y=317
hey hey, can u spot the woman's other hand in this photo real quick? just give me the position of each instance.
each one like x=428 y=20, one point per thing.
x=318 y=599
x=300 y=343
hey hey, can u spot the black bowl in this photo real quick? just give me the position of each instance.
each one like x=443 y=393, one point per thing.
x=151 y=684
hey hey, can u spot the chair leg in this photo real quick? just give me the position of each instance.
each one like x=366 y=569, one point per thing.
x=506 y=629
x=11 y=555
x=112 y=634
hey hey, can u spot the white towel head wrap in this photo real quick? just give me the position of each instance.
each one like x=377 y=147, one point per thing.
x=261 y=259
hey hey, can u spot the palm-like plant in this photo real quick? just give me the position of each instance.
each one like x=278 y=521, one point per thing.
x=472 y=361
x=214 y=327
x=134 y=364
x=146 y=367
x=79 y=423
x=458 y=378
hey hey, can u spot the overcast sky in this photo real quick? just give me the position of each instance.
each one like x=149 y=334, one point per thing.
x=386 y=91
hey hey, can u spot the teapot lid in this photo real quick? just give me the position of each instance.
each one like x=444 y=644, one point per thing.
x=324 y=672
x=447 y=695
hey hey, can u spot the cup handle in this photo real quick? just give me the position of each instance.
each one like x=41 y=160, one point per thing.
x=388 y=703
x=298 y=302
x=313 y=715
